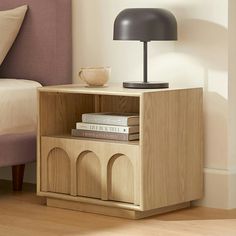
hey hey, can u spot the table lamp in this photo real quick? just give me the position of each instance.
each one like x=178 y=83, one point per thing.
x=145 y=25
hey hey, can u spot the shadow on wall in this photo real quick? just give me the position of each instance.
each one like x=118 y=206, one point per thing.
x=205 y=40
x=200 y=58
x=200 y=42
x=208 y=43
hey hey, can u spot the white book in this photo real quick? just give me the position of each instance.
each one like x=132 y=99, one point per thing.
x=108 y=128
x=108 y=118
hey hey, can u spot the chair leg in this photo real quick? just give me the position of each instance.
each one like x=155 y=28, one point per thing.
x=17 y=177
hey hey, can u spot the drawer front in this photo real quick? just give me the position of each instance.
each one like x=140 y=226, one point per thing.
x=58 y=171
x=90 y=168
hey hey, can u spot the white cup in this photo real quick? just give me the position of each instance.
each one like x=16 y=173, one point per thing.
x=95 y=76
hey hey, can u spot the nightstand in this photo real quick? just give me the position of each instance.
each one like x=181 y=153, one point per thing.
x=161 y=172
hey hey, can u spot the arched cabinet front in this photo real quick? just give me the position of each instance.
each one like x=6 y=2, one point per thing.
x=58 y=171
x=120 y=179
x=88 y=175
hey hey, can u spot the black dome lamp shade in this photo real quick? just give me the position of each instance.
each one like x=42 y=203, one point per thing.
x=145 y=25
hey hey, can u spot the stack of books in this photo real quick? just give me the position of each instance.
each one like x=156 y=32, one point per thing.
x=112 y=126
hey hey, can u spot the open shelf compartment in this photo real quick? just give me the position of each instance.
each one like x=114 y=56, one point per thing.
x=84 y=167
x=59 y=112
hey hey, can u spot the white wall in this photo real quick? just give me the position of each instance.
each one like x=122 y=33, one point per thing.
x=198 y=58
x=232 y=82
x=232 y=101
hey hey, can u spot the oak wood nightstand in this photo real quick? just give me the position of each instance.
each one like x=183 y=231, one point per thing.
x=161 y=172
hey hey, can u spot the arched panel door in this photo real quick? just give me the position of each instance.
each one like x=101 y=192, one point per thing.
x=89 y=175
x=58 y=171
x=120 y=179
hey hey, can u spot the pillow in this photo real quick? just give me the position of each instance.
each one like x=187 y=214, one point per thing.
x=10 y=24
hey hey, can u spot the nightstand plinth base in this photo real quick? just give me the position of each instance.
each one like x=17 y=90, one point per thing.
x=112 y=211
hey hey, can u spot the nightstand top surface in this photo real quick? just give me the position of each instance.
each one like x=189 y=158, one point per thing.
x=110 y=89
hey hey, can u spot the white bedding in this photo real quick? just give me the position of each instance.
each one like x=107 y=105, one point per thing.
x=18 y=105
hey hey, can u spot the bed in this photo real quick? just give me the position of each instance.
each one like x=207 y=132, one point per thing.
x=41 y=55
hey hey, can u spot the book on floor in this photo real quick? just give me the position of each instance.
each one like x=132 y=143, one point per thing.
x=110 y=118
x=104 y=135
x=108 y=128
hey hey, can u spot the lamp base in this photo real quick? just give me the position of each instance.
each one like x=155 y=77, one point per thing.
x=147 y=85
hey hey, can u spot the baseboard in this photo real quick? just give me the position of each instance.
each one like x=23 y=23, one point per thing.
x=232 y=188
x=219 y=189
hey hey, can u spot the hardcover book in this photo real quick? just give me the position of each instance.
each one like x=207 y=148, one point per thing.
x=104 y=135
x=108 y=128
x=119 y=119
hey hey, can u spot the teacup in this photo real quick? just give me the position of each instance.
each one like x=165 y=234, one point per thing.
x=95 y=76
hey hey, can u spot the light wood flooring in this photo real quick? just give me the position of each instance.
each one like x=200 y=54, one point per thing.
x=25 y=214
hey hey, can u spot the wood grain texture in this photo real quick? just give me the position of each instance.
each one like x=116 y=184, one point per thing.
x=89 y=178
x=104 y=210
x=171 y=148
x=59 y=112
x=58 y=171
x=97 y=103
x=114 y=89
x=122 y=104
x=90 y=208
x=163 y=169
x=93 y=201
x=121 y=179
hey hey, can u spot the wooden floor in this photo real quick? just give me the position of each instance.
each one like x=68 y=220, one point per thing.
x=25 y=214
